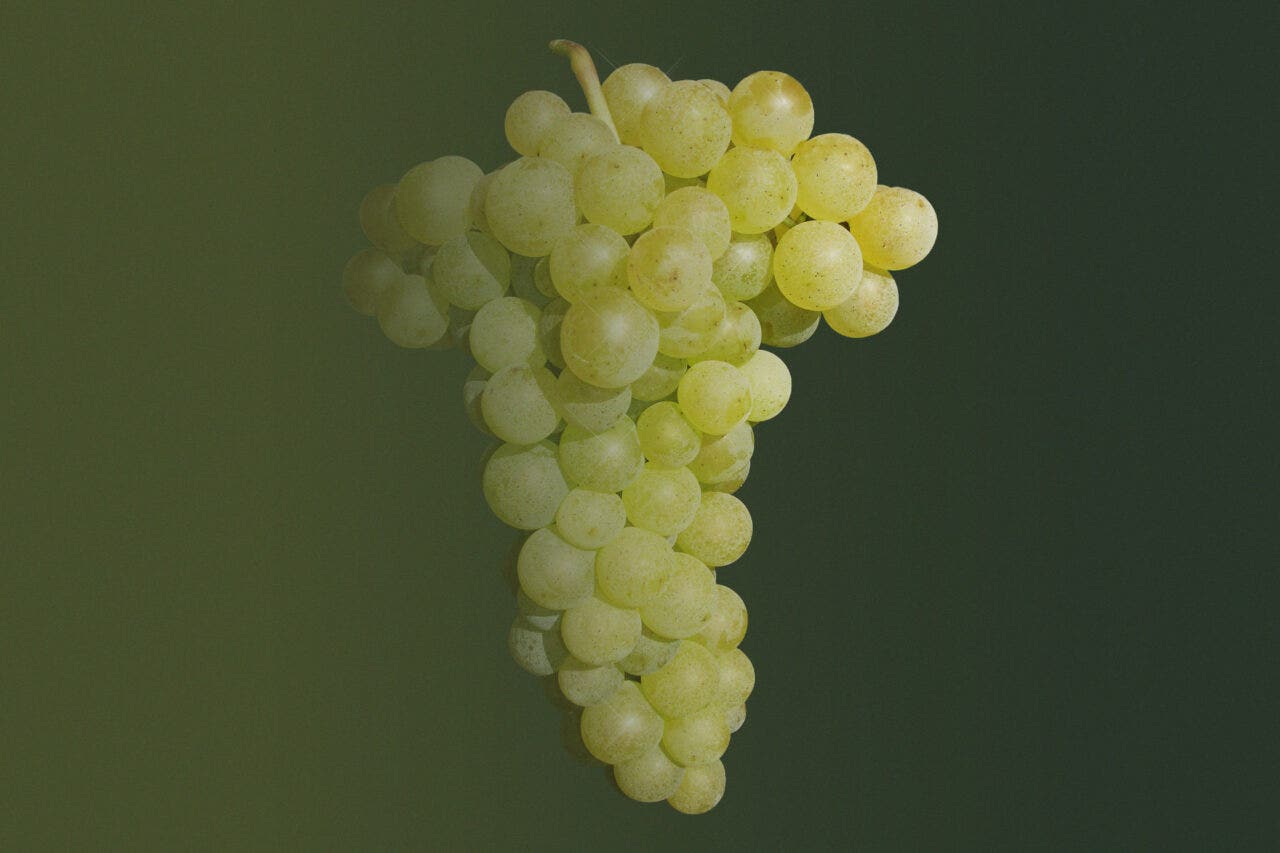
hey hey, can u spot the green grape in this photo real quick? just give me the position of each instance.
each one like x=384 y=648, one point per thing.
x=685 y=604
x=650 y=653
x=587 y=685
x=549 y=331
x=472 y=393
x=896 y=229
x=685 y=333
x=523 y=484
x=745 y=268
x=620 y=188
x=529 y=117
x=817 y=265
x=734 y=717
x=732 y=483
x=770 y=382
x=542 y=278
x=728 y=623
x=628 y=91
x=685 y=128
x=433 y=199
x=714 y=396
x=505 y=332
x=475 y=206
x=700 y=789
x=782 y=323
x=756 y=185
x=590 y=519
x=586 y=406
x=633 y=567
x=516 y=404
x=606 y=461
x=700 y=212
x=719 y=89
x=572 y=139
x=588 y=257
x=666 y=436
x=835 y=176
x=472 y=269
x=737 y=337
x=553 y=572
x=523 y=284
x=413 y=313
x=720 y=531
x=698 y=738
x=608 y=338
x=379 y=223
x=650 y=777
x=596 y=632
x=668 y=268
x=871 y=308
x=771 y=110
x=660 y=380
x=622 y=727
x=537 y=652
x=530 y=205
x=687 y=683
x=720 y=456
x=366 y=277
x=737 y=678
x=542 y=618
x=663 y=500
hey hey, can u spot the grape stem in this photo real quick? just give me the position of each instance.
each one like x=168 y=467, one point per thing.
x=585 y=70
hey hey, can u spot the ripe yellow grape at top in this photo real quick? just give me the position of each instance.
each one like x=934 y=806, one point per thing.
x=771 y=110
x=685 y=128
x=896 y=229
x=529 y=117
x=835 y=176
x=628 y=90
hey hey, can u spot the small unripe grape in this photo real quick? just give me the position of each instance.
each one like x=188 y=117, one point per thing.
x=537 y=652
x=586 y=685
x=737 y=678
x=659 y=381
x=651 y=653
x=737 y=336
x=587 y=406
x=728 y=623
x=720 y=456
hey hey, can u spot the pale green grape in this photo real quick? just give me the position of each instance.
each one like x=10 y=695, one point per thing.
x=633 y=567
x=588 y=257
x=663 y=500
x=737 y=678
x=756 y=185
x=687 y=683
x=783 y=323
x=608 y=338
x=717 y=88
x=586 y=685
x=572 y=139
x=666 y=436
x=745 y=268
x=413 y=313
x=553 y=572
x=597 y=632
x=530 y=205
x=379 y=223
x=472 y=394
x=433 y=199
x=835 y=176
x=660 y=380
x=542 y=618
x=771 y=110
x=720 y=531
x=714 y=396
x=523 y=484
x=728 y=623
x=698 y=738
x=472 y=269
x=817 y=265
x=607 y=461
x=682 y=334
x=668 y=269
x=584 y=405
x=734 y=717
x=622 y=727
x=732 y=483
x=517 y=404
x=770 y=382
x=871 y=308
x=649 y=778
x=620 y=188
x=651 y=653
x=896 y=229
x=537 y=652
x=590 y=519
x=628 y=91
x=700 y=789
x=685 y=128
x=475 y=206
x=685 y=604
x=737 y=337
x=549 y=330
x=700 y=212
x=505 y=332
x=722 y=455
x=529 y=117
x=366 y=277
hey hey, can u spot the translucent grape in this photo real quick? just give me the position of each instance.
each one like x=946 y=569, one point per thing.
x=700 y=789
x=523 y=485
x=590 y=519
x=529 y=117
x=651 y=652
x=596 y=632
x=367 y=277
x=633 y=567
x=737 y=678
x=660 y=380
x=745 y=268
x=835 y=176
x=572 y=139
x=588 y=257
x=783 y=323
x=756 y=185
x=714 y=396
x=587 y=685
x=628 y=91
x=771 y=110
x=817 y=265
x=553 y=572
x=770 y=382
x=413 y=313
x=737 y=336
x=607 y=461
x=433 y=199
x=685 y=128
x=536 y=652
x=686 y=684
x=505 y=332
x=698 y=738
x=721 y=455
x=622 y=727
x=650 y=777
x=472 y=394
x=472 y=269
x=666 y=436
x=379 y=223
x=720 y=531
x=685 y=604
x=517 y=404
x=668 y=268
x=586 y=406
x=662 y=499
x=700 y=212
x=896 y=229
x=728 y=623
x=530 y=205
x=608 y=338
x=871 y=308
x=620 y=188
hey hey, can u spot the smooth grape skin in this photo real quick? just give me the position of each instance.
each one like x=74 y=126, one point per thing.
x=660 y=380
x=587 y=406
x=529 y=117
x=505 y=332
x=871 y=308
x=530 y=205
x=700 y=789
x=379 y=223
x=523 y=485
x=516 y=404
x=720 y=90
x=554 y=573
x=728 y=623
x=782 y=322
x=620 y=188
x=698 y=738
x=608 y=338
x=413 y=313
x=650 y=653
x=662 y=500
x=668 y=269
x=433 y=199
x=720 y=456
x=685 y=604
x=574 y=138
x=622 y=727
x=714 y=396
x=366 y=277
x=699 y=211
x=770 y=382
x=685 y=128
x=471 y=269
x=720 y=531
x=737 y=678
x=896 y=229
x=627 y=91
x=817 y=265
x=746 y=267
x=649 y=778
x=756 y=185
x=596 y=632
x=633 y=567
x=590 y=519
x=666 y=436
x=771 y=110
x=587 y=685
x=686 y=684
x=686 y=333
x=588 y=257
x=835 y=176
x=606 y=461
x=737 y=337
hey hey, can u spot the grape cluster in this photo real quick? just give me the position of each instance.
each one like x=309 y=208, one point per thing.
x=614 y=285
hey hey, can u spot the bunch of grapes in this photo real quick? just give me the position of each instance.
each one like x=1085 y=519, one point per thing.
x=614 y=285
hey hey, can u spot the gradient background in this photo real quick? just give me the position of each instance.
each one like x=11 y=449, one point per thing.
x=252 y=596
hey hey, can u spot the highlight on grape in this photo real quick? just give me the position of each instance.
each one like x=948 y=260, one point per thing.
x=615 y=284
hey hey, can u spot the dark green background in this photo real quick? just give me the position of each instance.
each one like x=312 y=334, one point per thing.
x=252 y=596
